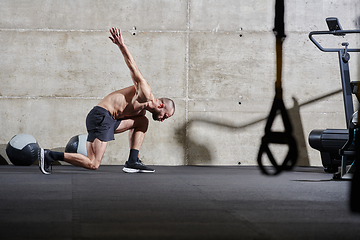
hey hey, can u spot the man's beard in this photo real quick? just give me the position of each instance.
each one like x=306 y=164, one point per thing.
x=155 y=116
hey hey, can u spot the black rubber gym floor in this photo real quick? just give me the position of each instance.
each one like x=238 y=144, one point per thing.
x=181 y=202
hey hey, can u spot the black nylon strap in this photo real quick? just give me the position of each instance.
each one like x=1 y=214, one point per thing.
x=278 y=105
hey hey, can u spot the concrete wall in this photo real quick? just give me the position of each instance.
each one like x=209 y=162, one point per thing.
x=209 y=56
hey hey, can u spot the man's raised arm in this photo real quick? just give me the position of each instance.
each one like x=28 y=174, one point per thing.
x=129 y=60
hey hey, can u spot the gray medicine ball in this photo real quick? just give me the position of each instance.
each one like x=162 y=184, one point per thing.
x=77 y=144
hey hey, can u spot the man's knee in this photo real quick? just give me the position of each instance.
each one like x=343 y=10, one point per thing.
x=95 y=151
x=146 y=123
x=142 y=123
x=94 y=163
x=94 y=166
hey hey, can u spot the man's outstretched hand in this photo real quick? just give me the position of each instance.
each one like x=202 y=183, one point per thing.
x=116 y=36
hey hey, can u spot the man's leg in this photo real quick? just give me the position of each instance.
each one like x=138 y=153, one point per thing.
x=136 y=138
x=137 y=128
x=95 y=152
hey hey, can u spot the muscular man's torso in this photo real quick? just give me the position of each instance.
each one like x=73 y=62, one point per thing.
x=124 y=103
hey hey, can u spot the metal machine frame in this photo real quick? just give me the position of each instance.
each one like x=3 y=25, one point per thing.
x=336 y=145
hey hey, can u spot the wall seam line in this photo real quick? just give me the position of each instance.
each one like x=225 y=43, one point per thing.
x=187 y=59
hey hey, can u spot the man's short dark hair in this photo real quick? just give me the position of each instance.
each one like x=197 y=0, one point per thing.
x=169 y=104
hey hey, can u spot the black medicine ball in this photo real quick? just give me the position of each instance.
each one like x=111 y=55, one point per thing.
x=22 y=150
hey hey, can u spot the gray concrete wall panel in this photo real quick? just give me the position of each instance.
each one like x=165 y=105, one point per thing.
x=87 y=64
x=230 y=15
x=94 y=15
x=227 y=65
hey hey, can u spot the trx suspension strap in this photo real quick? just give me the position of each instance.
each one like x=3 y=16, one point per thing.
x=285 y=137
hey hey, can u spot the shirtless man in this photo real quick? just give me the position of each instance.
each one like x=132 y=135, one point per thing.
x=120 y=111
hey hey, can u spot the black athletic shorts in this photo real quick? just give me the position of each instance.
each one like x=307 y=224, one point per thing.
x=100 y=124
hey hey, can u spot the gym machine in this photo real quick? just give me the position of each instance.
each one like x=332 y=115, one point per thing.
x=336 y=146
